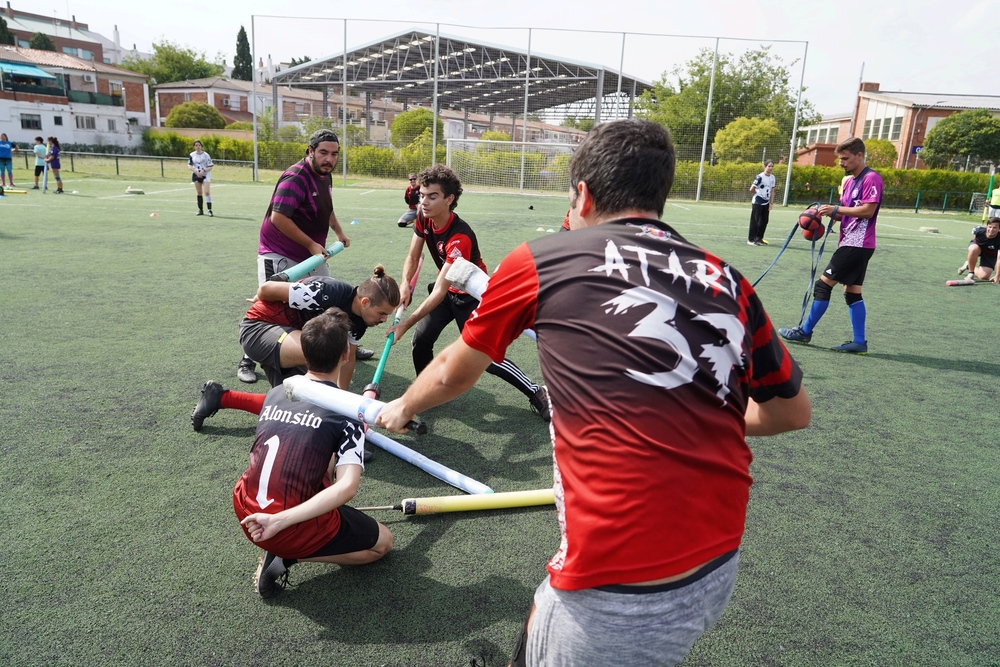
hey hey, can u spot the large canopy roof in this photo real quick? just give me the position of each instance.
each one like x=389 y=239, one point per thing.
x=476 y=76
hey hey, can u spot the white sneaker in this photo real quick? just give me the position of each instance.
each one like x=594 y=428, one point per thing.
x=962 y=269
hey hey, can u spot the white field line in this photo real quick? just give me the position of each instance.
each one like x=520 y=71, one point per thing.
x=157 y=192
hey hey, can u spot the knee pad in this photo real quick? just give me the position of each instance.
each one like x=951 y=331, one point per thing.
x=851 y=298
x=822 y=291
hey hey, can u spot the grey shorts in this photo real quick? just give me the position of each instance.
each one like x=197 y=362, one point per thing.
x=271 y=262
x=407 y=217
x=261 y=341
x=600 y=627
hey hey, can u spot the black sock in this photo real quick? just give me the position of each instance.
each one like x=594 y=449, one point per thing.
x=200 y=199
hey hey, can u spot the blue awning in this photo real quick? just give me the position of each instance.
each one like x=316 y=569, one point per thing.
x=25 y=70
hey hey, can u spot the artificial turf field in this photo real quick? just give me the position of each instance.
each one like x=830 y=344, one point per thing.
x=871 y=536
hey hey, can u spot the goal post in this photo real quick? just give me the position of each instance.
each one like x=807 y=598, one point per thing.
x=510 y=165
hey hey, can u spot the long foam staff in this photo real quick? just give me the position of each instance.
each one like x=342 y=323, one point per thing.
x=304 y=267
x=495 y=501
x=300 y=388
x=433 y=468
x=469 y=278
x=372 y=390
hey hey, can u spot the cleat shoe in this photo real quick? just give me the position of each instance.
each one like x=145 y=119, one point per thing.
x=971 y=276
x=751 y=243
x=962 y=269
x=34 y=187
x=210 y=214
x=367 y=456
x=540 y=404
x=200 y=213
x=363 y=354
x=209 y=403
x=763 y=242
x=852 y=347
x=796 y=335
x=247 y=370
x=271 y=576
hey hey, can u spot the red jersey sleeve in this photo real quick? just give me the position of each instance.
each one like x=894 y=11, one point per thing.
x=507 y=308
x=459 y=245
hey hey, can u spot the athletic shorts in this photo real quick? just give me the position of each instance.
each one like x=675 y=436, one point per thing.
x=207 y=178
x=6 y=164
x=628 y=625
x=39 y=168
x=407 y=217
x=271 y=262
x=849 y=265
x=261 y=341
x=994 y=211
x=55 y=164
x=988 y=261
x=358 y=532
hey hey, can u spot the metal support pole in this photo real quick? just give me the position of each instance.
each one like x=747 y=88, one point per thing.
x=708 y=118
x=253 y=98
x=437 y=60
x=343 y=126
x=795 y=128
x=524 y=121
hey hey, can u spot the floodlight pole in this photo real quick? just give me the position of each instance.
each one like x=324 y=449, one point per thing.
x=434 y=118
x=708 y=118
x=524 y=121
x=253 y=98
x=795 y=129
x=343 y=125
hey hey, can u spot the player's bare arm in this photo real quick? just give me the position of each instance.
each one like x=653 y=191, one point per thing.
x=436 y=296
x=863 y=211
x=778 y=415
x=265 y=526
x=288 y=227
x=273 y=290
x=341 y=236
x=410 y=267
x=450 y=374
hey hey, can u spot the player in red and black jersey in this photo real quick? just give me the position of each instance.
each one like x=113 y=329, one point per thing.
x=287 y=500
x=448 y=237
x=660 y=360
x=412 y=198
x=981 y=261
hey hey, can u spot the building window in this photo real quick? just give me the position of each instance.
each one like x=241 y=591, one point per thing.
x=833 y=135
x=57 y=120
x=71 y=50
x=24 y=44
x=30 y=121
x=116 y=88
x=876 y=128
x=86 y=123
x=112 y=125
x=886 y=128
x=86 y=55
x=897 y=127
x=812 y=136
x=868 y=130
x=822 y=136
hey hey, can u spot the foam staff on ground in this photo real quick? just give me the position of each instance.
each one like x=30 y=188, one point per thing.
x=304 y=267
x=469 y=278
x=494 y=501
x=300 y=388
x=373 y=390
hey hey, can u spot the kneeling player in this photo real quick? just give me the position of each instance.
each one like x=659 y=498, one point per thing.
x=285 y=501
x=983 y=249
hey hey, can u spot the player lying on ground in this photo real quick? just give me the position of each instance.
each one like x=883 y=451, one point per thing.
x=285 y=501
x=983 y=250
x=270 y=332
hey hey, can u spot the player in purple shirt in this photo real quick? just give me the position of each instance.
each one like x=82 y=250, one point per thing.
x=297 y=221
x=858 y=211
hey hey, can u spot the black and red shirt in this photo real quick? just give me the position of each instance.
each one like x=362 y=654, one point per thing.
x=446 y=245
x=412 y=196
x=651 y=349
x=308 y=298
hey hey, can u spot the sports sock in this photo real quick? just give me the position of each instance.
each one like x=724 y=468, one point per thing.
x=242 y=400
x=815 y=313
x=858 y=314
x=200 y=199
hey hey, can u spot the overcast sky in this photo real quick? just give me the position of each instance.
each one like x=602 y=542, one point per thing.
x=916 y=45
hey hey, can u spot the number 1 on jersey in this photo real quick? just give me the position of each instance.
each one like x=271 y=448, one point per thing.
x=265 y=472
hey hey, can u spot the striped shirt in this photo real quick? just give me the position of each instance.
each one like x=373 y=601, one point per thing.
x=305 y=198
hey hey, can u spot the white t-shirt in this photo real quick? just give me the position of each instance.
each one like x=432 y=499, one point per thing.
x=764 y=184
x=199 y=162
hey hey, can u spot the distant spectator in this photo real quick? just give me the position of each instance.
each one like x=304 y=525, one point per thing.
x=6 y=160
x=200 y=164
x=54 y=164
x=412 y=198
x=40 y=152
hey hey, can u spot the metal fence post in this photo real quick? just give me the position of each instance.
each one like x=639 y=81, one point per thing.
x=72 y=166
x=916 y=208
x=117 y=171
x=161 y=168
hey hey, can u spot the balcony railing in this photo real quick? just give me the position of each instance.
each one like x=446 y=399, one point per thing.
x=36 y=89
x=86 y=97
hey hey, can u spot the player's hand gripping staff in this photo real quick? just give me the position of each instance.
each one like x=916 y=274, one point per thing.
x=373 y=390
x=469 y=278
x=305 y=267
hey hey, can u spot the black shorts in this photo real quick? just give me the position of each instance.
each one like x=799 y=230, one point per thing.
x=358 y=532
x=39 y=168
x=261 y=341
x=987 y=261
x=195 y=178
x=849 y=265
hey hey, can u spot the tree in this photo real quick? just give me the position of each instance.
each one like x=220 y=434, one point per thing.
x=409 y=125
x=240 y=125
x=356 y=134
x=568 y=121
x=171 y=62
x=881 y=153
x=747 y=139
x=585 y=124
x=6 y=36
x=42 y=42
x=243 y=62
x=972 y=136
x=494 y=135
x=755 y=85
x=295 y=61
x=195 y=114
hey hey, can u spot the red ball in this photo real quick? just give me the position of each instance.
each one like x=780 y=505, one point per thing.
x=811 y=224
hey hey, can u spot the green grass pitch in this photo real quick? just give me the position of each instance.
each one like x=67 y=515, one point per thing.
x=871 y=536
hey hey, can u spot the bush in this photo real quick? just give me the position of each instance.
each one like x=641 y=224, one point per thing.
x=197 y=115
x=374 y=161
x=241 y=125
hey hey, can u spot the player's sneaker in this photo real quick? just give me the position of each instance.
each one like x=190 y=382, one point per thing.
x=540 y=404
x=795 y=334
x=971 y=276
x=363 y=354
x=247 y=370
x=200 y=213
x=210 y=214
x=271 y=576
x=962 y=269
x=208 y=404
x=751 y=243
x=852 y=347
x=762 y=242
